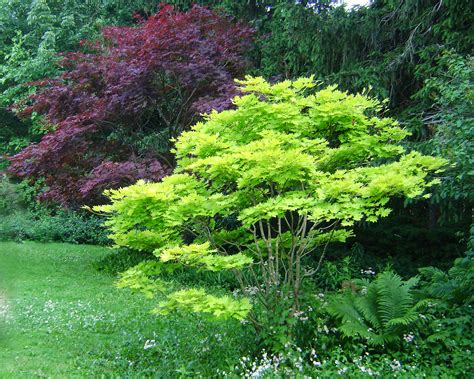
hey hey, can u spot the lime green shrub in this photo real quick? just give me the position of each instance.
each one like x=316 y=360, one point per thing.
x=260 y=188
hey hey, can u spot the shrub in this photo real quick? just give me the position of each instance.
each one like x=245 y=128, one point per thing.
x=16 y=226
x=455 y=286
x=120 y=260
x=448 y=339
x=260 y=188
x=23 y=217
x=9 y=199
x=42 y=226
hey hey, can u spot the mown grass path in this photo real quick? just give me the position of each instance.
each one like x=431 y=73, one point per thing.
x=49 y=322
x=60 y=317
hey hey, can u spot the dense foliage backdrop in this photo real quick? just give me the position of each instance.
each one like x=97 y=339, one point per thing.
x=94 y=96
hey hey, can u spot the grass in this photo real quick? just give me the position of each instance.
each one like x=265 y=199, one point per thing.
x=60 y=317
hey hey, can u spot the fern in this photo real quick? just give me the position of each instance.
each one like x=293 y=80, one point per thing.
x=382 y=314
x=455 y=286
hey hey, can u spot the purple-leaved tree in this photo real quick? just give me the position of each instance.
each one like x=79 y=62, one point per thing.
x=116 y=106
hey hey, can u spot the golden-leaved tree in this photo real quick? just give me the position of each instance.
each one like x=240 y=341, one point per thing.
x=261 y=188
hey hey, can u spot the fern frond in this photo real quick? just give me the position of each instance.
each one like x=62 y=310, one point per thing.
x=367 y=306
x=404 y=321
x=356 y=329
x=424 y=303
x=343 y=308
x=395 y=298
x=383 y=313
x=433 y=273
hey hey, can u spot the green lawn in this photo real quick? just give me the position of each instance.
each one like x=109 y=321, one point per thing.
x=60 y=317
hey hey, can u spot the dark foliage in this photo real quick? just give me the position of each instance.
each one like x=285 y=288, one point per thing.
x=116 y=106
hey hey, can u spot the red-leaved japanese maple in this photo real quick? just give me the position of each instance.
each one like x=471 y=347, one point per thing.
x=116 y=107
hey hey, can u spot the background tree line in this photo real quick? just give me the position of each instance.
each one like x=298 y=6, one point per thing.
x=414 y=53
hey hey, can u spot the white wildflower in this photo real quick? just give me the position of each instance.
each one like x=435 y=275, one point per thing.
x=149 y=344
x=395 y=365
x=342 y=371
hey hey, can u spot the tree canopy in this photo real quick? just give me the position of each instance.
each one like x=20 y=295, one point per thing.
x=260 y=187
x=114 y=108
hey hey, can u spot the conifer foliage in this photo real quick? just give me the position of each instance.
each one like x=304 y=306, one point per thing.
x=115 y=106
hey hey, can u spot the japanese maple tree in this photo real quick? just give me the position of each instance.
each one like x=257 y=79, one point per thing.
x=116 y=106
x=260 y=191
